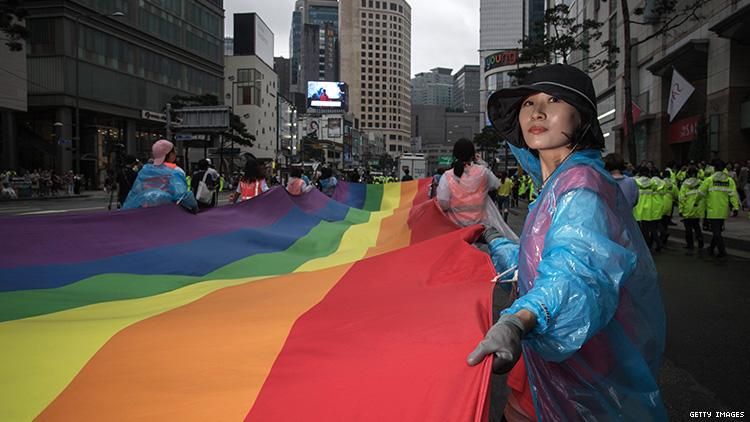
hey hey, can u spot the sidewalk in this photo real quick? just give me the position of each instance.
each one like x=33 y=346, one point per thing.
x=736 y=232
x=736 y=229
x=83 y=194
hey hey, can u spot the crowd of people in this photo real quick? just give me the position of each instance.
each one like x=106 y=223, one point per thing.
x=40 y=183
x=704 y=196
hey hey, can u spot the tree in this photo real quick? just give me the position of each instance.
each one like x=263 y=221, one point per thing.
x=11 y=17
x=488 y=140
x=387 y=163
x=563 y=37
x=667 y=16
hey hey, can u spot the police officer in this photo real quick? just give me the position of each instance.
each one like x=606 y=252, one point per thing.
x=692 y=207
x=721 y=195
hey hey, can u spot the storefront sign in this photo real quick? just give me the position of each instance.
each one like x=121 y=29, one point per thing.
x=445 y=160
x=501 y=58
x=154 y=116
x=684 y=130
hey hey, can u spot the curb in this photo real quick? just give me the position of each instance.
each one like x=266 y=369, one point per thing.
x=45 y=198
x=729 y=242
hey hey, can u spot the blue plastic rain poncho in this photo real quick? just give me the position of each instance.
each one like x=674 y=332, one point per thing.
x=159 y=185
x=585 y=271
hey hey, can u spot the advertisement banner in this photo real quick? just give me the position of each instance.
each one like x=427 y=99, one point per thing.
x=334 y=128
x=326 y=94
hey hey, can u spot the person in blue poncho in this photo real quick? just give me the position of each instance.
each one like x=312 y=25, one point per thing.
x=161 y=182
x=327 y=181
x=585 y=336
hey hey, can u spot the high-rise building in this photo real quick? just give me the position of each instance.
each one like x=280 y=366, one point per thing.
x=314 y=60
x=375 y=40
x=281 y=66
x=433 y=88
x=502 y=26
x=251 y=84
x=295 y=37
x=466 y=89
x=115 y=65
x=319 y=55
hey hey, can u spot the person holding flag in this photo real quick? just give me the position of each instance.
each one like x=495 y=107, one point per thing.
x=585 y=337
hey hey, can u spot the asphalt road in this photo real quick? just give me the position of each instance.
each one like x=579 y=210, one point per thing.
x=707 y=358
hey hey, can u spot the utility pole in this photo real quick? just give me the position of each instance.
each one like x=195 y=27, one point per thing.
x=169 y=122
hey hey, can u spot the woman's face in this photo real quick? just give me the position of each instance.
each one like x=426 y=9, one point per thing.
x=547 y=122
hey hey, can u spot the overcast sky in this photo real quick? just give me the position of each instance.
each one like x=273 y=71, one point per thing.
x=444 y=33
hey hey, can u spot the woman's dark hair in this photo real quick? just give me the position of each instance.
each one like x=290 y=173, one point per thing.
x=463 y=154
x=613 y=162
x=325 y=173
x=296 y=172
x=691 y=171
x=253 y=170
x=203 y=164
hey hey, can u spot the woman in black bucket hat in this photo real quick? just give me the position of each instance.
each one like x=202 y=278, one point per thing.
x=588 y=319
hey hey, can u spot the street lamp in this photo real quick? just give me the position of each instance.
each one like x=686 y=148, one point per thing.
x=77 y=137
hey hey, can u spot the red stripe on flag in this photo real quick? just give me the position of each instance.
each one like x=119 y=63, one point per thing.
x=389 y=341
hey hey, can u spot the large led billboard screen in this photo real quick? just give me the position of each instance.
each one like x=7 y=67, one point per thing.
x=322 y=94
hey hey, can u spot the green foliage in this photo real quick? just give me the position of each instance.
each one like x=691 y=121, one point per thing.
x=386 y=162
x=563 y=37
x=488 y=139
x=11 y=17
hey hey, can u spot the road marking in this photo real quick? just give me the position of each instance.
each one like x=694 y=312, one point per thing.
x=59 y=211
x=9 y=209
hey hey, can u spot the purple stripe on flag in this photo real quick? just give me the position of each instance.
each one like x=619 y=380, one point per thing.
x=115 y=233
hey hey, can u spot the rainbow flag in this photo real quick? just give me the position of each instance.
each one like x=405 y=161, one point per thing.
x=358 y=307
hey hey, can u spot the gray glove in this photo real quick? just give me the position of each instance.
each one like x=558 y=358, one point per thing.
x=504 y=340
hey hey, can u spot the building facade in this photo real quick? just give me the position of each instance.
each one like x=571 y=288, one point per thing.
x=433 y=88
x=288 y=133
x=436 y=130
x=375 y=46
x=710 y=54
x=313 y=42
x=251 y=84
x=14 y=98
x=111 y=66
x=282 y=67
x=502 y=25
x=466 y=89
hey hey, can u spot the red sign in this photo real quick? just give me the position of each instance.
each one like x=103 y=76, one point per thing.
x=684 y=130
x=636 y=115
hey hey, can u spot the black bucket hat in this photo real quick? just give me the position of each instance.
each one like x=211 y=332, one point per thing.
x=560 y=80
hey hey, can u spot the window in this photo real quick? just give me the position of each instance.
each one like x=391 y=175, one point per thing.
x=392 y=147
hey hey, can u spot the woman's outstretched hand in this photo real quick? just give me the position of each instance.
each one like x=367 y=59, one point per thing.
x=504 y=340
